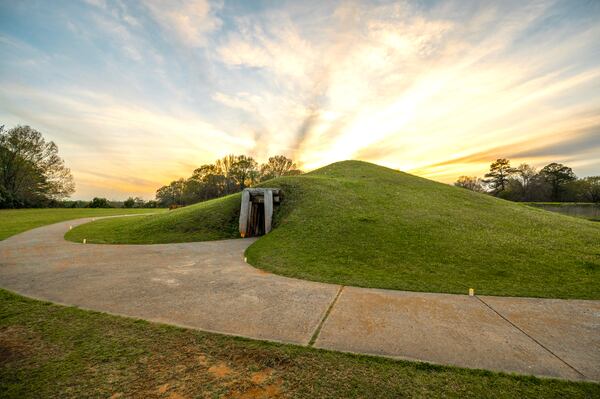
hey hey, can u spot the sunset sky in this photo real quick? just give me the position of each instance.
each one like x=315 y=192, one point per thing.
x=138 y=94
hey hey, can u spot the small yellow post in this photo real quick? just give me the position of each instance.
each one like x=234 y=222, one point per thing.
x=471 y=292
x=70 y=227
x=85 y=240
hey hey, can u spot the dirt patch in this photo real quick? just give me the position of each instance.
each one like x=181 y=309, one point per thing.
x=220 y=370
x=19 y=342
x=163 y=388
x=261 y=271
x=175 y=395
x=260 y=377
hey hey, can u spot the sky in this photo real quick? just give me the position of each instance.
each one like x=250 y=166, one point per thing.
x=136 y=94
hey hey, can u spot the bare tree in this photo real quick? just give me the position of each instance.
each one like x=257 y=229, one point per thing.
x=278 y=166
x=470 y=183
x=591 y=188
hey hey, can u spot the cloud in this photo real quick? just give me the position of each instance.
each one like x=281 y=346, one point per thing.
x=135 y=144
x=189 y=21
x=402 y=85
x=435 y=88
x=243 y=101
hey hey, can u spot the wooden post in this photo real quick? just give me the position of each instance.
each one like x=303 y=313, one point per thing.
x=268 y=210
x=244 y=212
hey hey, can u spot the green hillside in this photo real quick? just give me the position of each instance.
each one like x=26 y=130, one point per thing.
x=360 y=224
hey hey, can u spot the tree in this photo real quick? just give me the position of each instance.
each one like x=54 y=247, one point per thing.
x=244 y=171
x=129 y=203
x=497 y=177
x=31 y=172
x=151 y=204
x=470 y=183
x=171 y=194
x=99 y=203
x=557 y=176
x=526 y=175
x=278 y=166
x=227 y=175
x=136 y=202
x=524 y=184
x=590 y=190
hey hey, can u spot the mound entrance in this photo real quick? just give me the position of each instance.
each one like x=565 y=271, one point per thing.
x=256 y=212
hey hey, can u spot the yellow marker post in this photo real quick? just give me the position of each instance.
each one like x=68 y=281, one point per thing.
x=85 y=240
x=471 y=291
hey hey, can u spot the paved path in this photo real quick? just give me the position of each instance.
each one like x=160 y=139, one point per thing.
x=208 y=286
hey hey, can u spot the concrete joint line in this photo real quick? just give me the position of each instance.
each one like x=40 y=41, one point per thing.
x=530 y=337
x=325 y=316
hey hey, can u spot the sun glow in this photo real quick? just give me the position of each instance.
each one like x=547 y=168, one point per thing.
x=439 y=91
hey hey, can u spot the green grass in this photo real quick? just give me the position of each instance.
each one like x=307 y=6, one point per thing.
x=13 y=221
x=52 y=351
x=211 y=220
x=355 y=223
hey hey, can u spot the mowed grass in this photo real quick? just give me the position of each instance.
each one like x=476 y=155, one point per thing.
x=359 y=224
x=14 y=221
x=52 y=351
x=211 y=220
x=355 y=223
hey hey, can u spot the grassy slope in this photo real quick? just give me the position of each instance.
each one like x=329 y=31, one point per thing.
x=359 y=224
x=51 y=351
x=13 y=221
x=211 y=220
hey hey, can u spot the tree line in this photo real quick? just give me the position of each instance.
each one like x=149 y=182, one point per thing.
x=554 y=182
x=227 y=175
x=33 y=175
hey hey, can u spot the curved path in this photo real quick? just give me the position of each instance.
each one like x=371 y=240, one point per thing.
x=208 y=286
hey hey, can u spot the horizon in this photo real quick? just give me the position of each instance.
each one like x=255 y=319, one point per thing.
x=136 y=95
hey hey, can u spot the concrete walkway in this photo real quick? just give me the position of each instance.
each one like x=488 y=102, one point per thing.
x=208 y=286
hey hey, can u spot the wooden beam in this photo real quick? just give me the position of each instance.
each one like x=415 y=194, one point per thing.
x=268 y=209
x=261 y=191
x=244 y=212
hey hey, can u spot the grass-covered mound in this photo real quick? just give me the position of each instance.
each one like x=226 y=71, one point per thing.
x=360 y=224
x=211 y=220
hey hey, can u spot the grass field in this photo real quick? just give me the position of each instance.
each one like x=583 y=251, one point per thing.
x=51 y=351
x=14 y=221
x=210 y=220
x=355 y=223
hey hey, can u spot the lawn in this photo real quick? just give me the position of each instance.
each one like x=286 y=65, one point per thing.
x=14 y=221
x=52 y=351
x=210 y=220
x=359 y=224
